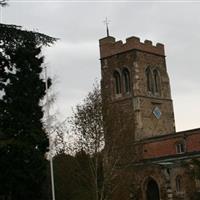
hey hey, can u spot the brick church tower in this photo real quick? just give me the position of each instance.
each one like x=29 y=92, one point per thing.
x=139 y=121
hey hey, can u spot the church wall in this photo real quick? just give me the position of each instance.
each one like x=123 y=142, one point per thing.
x=117 y=108
x=166 y=146
x=187 y=184
x=193 y=142
x=138 y=138
x=132 y=182
x=159 y=148
x=147 y=124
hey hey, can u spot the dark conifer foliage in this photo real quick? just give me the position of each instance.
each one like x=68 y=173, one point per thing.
x=3 y=3
x=23 y=140
x=74 y=176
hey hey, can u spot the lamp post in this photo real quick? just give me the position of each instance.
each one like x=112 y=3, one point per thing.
x=48 y=129
x=1 y=14
x=3 y=3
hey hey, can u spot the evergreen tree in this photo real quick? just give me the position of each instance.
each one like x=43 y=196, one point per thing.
x=3 y=3
x=23 y=140
x=74 y=176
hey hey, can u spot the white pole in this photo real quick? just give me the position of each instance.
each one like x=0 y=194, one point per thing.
x=48 y=129
x=1 y=14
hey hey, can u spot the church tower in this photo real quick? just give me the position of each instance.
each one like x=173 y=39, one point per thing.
x=136 y=93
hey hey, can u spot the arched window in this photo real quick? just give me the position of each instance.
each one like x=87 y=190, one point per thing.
x=178 y=183
x=126 y=79
x=117 y=81
x=156 y=81
x=149 y=80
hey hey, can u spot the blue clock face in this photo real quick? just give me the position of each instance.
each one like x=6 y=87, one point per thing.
x=157 y=113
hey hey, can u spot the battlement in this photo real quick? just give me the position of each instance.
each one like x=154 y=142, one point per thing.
x=109 y=46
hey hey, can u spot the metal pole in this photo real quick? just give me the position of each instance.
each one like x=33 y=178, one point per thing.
x=48 y=129
x=3 y=3
x=1 y=14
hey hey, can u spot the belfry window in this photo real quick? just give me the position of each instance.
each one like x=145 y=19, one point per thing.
x=117 y=81
x=126 y=79
x=178 y=184
x=149 y=80
x=156 y=81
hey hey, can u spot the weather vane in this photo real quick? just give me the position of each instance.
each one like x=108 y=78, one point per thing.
x=106 y=22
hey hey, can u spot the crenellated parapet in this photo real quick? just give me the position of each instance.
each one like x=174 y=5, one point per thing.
x=109 y=46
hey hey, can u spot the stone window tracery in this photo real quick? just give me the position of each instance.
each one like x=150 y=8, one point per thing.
x=117 y=82
x=149 y=80
x=156 y=78
x=126 y=79
x=178 y=183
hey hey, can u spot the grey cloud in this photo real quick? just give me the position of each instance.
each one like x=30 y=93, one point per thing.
x=75 y=58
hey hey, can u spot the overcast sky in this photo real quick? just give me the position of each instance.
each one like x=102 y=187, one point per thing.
x=74 y=60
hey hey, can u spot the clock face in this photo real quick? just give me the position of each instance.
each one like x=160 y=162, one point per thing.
x=157 y=113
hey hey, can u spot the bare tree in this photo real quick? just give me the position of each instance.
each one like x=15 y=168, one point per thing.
x=87 y=124
x=64 y=140
x=60 y=143
x=83 y=132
